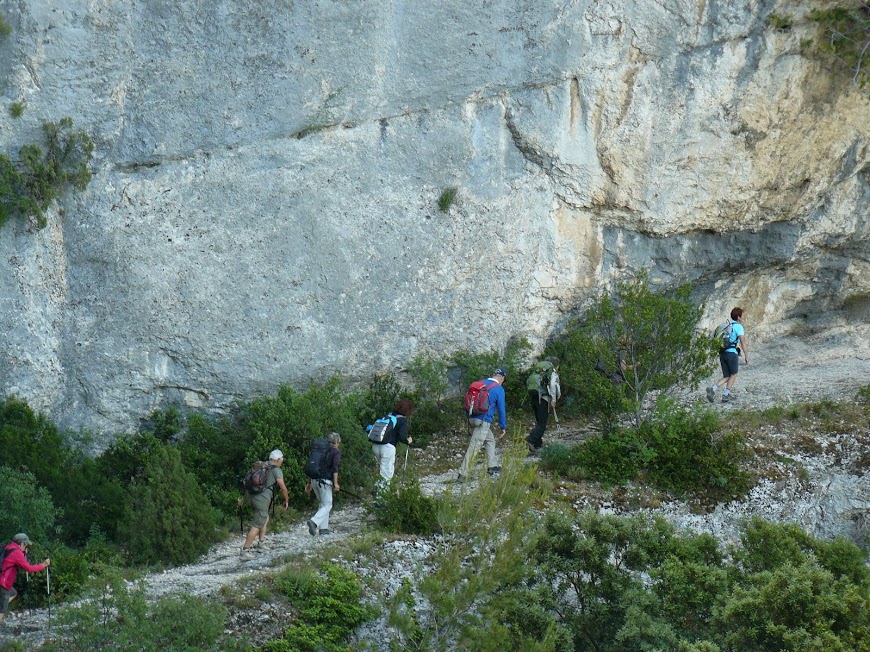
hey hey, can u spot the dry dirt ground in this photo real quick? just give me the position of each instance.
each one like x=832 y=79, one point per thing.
x=789 y=372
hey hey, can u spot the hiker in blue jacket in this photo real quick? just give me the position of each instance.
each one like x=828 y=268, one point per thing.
x=481 y=435
x=729 y=358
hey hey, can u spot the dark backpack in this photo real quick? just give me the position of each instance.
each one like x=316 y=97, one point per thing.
x=382 y=428
x=319 y=464
x=477 y=398
x=256 y=478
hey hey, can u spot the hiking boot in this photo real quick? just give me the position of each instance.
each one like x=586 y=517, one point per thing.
x=325 y=531
x=261 y=546
x=727 y=398
x=312 y=528
x=711 y=394
x=246 y=554
x=494 y=470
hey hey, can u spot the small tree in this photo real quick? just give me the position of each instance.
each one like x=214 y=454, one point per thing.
x=631 y=343
x=25 y=507
x=168 y=518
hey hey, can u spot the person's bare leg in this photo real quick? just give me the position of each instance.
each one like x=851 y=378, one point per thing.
x=252 y=534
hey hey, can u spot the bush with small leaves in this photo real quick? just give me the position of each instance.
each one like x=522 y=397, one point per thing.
x=330 y=609
x=403 y=508
x=28 y=188
x=167 y=518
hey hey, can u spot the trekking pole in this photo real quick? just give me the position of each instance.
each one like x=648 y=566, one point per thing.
x=405 y=469
x=556 y=417
x=48 y=593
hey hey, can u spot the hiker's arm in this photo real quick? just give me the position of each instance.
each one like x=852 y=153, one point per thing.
x=308 y=486
x=742 y=340
x=283 y=488
x=335 y=481
x=402 y=433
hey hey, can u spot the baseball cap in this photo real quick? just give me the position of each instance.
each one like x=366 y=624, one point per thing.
x=276 y=455
x=500 y=372
x=21 y=538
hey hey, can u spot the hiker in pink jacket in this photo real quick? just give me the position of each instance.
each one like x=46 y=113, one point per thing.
x=13 y=559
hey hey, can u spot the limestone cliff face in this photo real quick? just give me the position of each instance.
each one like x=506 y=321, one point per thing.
x=264 y=207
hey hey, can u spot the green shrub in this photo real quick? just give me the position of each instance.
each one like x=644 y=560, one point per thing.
x=330 y=609
x=611 y=459
x=656 y=335
x=796 y=607
x=692 y=454
x=122 y=618
x=167 y=518
x=446 y=199
x=633 y=583
x=474 y=366
x=27 y=191
x=16 y=109
x=70 y=574
x=780 y=21
x=5 y=28
x=403 y=508
x=678 y=450
x=379 y=399
x=846 y=37
x=292 y=420
x=25 y=507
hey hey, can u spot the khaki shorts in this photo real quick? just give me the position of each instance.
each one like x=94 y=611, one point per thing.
x=5 y=596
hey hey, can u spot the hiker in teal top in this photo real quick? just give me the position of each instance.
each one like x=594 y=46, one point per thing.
x=729 y=358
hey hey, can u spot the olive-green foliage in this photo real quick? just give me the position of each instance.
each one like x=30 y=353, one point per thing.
x=403 y=508
x=474 y=366
x=330 y=609
x=215 y=453
x=291 y=420
x=28 y=189
x=70 y=573
x=693 y=452
x=446 y=199
x=655 y=333
x=492 y=533
x=633 y=583
x=16 y=109
x=25 y=507
x=5 y=28
x=121 y=618
x=864 y=394
x=676 y=449
x=780 y=21
x=430 y=377
x=431 y=414
x=846 y=37
x=167 y=518
x=379 y=398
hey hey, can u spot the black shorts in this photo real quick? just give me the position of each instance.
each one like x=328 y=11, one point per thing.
x=728 y=359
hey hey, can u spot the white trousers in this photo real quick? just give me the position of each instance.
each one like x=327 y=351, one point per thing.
x=323 y=491
x=385 y=454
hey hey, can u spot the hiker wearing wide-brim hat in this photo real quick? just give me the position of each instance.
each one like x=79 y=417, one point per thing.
x=14 y=557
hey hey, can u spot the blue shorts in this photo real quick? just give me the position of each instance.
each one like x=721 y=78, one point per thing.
x=728 y=359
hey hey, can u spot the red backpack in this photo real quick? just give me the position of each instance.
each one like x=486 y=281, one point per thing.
x=477 y=398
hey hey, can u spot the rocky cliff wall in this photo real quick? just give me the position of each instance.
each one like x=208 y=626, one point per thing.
x=264 y=205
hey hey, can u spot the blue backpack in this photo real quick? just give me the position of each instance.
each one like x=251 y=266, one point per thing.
x=381 y=428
